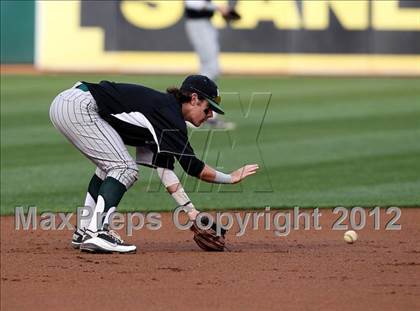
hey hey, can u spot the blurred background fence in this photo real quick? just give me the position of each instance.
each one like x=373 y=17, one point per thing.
x=372 y=37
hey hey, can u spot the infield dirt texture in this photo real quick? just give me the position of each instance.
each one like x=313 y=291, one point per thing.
x=307 y=270
x=321 y=142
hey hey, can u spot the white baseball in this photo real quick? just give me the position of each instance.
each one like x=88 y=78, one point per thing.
x=350 y=236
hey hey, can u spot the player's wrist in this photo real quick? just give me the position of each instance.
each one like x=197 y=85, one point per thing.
x=222 y=178
x=182 y=199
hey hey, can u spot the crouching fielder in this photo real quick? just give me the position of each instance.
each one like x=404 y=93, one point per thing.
x=100 y=120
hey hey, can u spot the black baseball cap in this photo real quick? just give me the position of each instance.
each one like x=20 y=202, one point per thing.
x=205 y=87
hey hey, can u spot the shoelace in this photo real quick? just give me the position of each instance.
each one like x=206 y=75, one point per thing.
x=116 y=236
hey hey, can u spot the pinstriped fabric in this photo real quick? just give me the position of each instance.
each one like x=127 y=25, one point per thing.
x=75 y=114
x=204 y=38
x=100 y=173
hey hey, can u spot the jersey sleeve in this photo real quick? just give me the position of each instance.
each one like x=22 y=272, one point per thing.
x=172 y=137
x=175 y=143
x=191 y=165
x=147 y=157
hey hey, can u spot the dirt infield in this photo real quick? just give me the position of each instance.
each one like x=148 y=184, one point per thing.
x=307 y=270
x=25 y=69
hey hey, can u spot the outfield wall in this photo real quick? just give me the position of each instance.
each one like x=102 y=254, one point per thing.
x=17 y=31
x=379 y=37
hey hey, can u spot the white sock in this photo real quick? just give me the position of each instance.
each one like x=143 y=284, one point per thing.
x=88 y=207
x=97 y=214
x=108 y=214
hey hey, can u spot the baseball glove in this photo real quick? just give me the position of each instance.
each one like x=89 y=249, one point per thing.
x=208 y=240
x=231 y=16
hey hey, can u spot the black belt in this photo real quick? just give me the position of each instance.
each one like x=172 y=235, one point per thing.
x=194 y=14
x=83 y=87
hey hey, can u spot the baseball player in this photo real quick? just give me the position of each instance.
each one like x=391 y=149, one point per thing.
x=101 y=119
x=203 y=37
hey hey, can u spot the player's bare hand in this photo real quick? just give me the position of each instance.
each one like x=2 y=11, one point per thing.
x=244 y=172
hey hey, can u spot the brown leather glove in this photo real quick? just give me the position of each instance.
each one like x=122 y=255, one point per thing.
x=231 y=15
x=208 y=240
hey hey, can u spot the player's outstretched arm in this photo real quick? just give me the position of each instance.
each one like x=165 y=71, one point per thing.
x=209 y=174
x=243 y=172
x=175 y=189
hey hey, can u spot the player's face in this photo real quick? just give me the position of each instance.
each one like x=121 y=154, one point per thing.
x=204 y=112
x=200 y=111
x=208 y=113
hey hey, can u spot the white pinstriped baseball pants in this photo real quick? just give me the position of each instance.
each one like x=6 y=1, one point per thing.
x=204 y=39
x=75 y=114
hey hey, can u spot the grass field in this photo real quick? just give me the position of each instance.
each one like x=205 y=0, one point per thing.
x=324 y=142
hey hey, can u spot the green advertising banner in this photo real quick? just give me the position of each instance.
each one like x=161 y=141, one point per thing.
x=17 y=31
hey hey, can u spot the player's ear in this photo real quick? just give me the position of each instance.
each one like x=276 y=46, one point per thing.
x=194 y=99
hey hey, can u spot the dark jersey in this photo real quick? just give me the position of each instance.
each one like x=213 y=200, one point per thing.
x=146 y=117
x=198 y=13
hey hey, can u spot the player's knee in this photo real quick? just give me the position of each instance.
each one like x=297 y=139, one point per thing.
x=126 y=174
x=211 y=70
x=100 y=173
x=216 y=70
x=131 y=176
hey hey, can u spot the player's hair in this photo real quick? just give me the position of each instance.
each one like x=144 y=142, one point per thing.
x=181 y=96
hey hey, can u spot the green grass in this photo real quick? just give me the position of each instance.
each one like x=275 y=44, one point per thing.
x=324 y=142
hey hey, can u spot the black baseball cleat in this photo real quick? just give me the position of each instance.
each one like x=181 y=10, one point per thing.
x=77 y=238
x=105 y=241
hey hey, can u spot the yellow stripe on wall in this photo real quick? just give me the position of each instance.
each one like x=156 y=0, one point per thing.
x=62 y=45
